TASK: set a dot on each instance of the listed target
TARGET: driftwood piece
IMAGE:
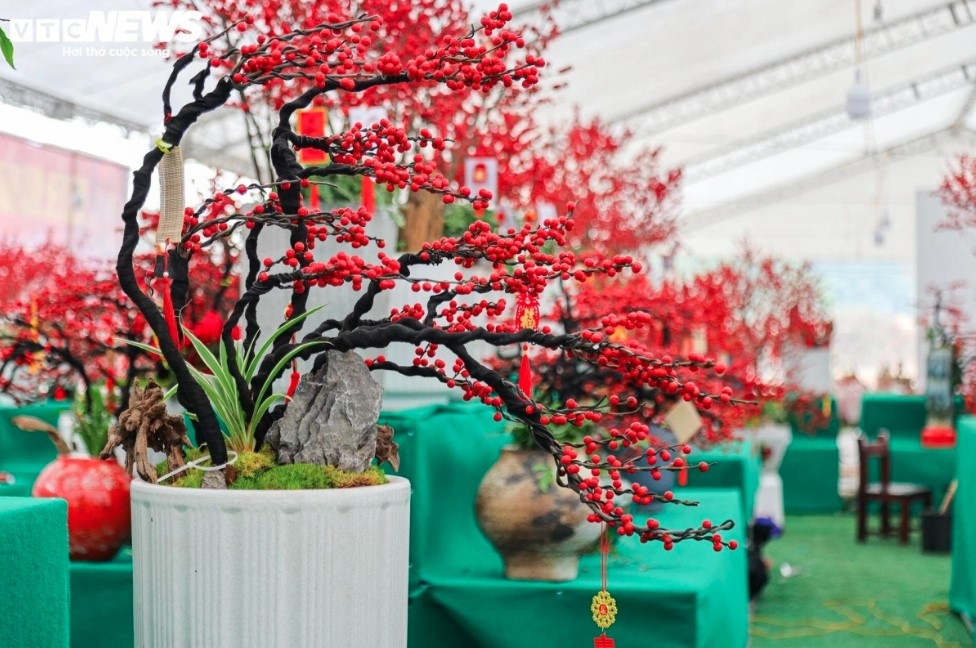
(386, 447)
(147, 425)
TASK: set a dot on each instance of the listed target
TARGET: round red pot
(97, 492)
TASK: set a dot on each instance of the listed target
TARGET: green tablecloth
(811, 472)
(962, 591)
(902, 415)
(34, 572)
(811, 469)
(689, 597)
(101, 603)
(734, 465)
(24, 454)
(904, 418)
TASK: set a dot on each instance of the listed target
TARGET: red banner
(66, 197)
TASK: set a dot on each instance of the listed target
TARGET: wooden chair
(885, 492)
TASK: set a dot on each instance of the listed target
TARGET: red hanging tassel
(295, 377)
(369, 195)
(527, 317)
(293, 383)
(603, 641)
(683, 477)
(168, 311)
(313, 197)
(525, 372)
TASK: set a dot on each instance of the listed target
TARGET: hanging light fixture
(858, 97)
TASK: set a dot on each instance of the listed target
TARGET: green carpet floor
(879, 594)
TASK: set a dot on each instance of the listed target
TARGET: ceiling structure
(747, 95)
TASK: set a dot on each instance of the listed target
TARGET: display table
(904, 418)
(101, 603)
(692, 595)
(458, 596)
(24, 454)
(962, 591)
(811, 469)
(34, 572)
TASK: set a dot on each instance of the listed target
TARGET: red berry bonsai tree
(496, 274)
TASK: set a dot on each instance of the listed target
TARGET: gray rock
(214, 479)
(331, 420)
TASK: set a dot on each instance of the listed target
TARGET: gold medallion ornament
(604, 610)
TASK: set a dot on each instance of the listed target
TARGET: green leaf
(7, 48)
(277, 368)
(145, 347)
(284, 328)
(262, 408)
(206, 355)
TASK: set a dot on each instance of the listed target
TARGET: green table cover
(904, 418)
(689, 597)
(735, 465)
(811, 468)
(962, 590)
(902, 415)
(34, 572)
(101, 603)
(810, 473)
(24, 454)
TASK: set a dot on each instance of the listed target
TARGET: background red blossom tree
(67, 329)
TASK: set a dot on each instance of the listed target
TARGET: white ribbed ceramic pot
(269, 569)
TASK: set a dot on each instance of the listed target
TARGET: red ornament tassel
(603, 641)
(293, 384)
(683, 477)
(169, 313)
(313, 198)
(525, 372)
(368, 195)
(295, 377)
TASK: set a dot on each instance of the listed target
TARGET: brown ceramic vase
(540, 535)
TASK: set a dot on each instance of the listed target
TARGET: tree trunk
(423, 219)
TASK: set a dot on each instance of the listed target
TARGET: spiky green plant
(218, 382)
(92, 420)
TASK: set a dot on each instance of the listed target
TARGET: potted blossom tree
(341, 554)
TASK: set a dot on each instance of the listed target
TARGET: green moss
(258, 471)
(342, 479)
(288, 477)
(249, 464)
(307, 476)
(190, 479)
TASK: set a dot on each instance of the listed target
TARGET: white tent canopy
(747, 95)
